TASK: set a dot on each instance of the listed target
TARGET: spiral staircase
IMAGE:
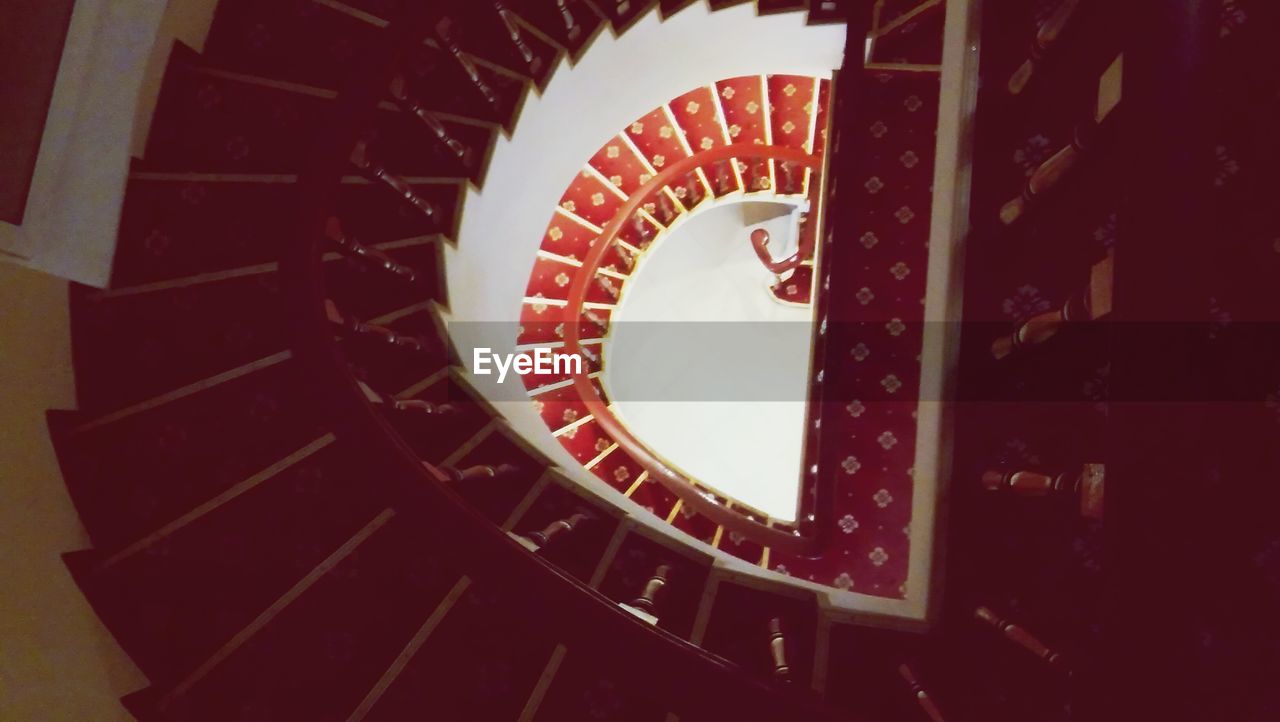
(302, 510)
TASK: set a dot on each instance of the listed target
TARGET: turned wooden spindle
(647, 602)
(425, 408)
(778, 651)
(361, 159)
(349, 246)
(400, 92)
(918, 691)
(444, 32)
(626, 254)
(1090, 304)
(788, 177)
(1029, 483)
(478, 472)
(354, 326)
(1086, 485)
(724, 184)
(1019, 636)
(570, 25)
(517, 37)
(691, 189)
(1045, 39)
(417, 406)
(642, 228)
(555, 530)
(595, 318)
(1059, 164)
(666, 209)
(608, 285)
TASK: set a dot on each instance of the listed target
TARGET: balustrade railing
(691, 493)
(695, 681)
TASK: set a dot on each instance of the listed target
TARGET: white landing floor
(706, 368)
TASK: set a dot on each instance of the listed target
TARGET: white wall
(77, 190)
(617, 80)
(57, 662)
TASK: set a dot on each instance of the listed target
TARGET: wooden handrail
(699, 500)
(760, 244)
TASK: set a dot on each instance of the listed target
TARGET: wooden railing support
(1086, 485)
(1090, 304)
(1019, 636)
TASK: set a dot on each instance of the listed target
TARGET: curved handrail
(760, 244)
(793, 543)
(582, 617)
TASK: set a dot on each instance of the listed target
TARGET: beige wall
(57, 663)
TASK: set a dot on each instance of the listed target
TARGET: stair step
(177, 229)
(738, 626)
(584, 688)
(323, 651)
(638, 557)
(174, 597)
(498, 498)
(211, 120)
(299, 40)
(572, 26)
(480, 663)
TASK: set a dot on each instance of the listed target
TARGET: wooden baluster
(360, 158)
(517, 37)
(607, 284)
(1090, 304)
(627, 255)
(416, 406)
(595, 318)
(691, 189)
(444, 31)
(723, 183)
(645, 606)
(666, 211)
(400, 92)
(788, 177)
(1028, 483)
(349, 246)
(778, 651)
(570, 25)
(1045, 39)
(1092, 481)
(642, 228)
(479, 472)
(537, 540)
(353, 325)
(1086, 485)
(1052, 171)
(1019, 636)
(425, 408)
(918, 691)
